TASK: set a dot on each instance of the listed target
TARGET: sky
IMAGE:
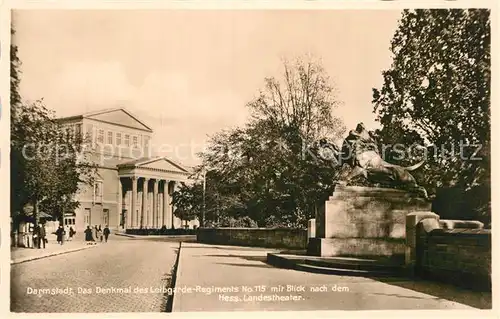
(189, 74)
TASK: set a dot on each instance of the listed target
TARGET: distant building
(132, 188)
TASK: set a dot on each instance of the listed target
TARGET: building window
(105, 217)
(90, 133)
(100, 137)
(135, 143)
(118, 139)
(127, 140)
(110, 138)
(98, 192)
(68, 129)
(86, 216)
(69, 221)
(78, 129)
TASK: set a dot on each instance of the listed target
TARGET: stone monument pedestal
(364, 221)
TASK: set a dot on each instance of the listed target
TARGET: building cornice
(119, 124)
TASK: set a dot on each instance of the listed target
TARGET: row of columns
(154, 212)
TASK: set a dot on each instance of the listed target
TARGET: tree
(72, 169)
(187, 200)
(300, 104)
(16, 163)
(437, 92)
(48, 163)
(264, 169)
(53, 160)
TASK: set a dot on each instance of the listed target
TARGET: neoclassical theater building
(133, 189)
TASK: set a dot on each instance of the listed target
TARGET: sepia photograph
(173, 160)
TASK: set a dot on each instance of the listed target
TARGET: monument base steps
(344, 266)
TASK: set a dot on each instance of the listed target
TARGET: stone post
(412, 220)
(311, 229)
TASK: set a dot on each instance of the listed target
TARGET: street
(132, 275)
(95, 280)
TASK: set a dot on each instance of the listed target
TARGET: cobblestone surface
(120, 263)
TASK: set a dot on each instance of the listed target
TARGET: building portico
(146, 187)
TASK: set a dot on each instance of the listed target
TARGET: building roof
(95, 114)
(144, 161)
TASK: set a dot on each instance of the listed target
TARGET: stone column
(156, 220)
(167, 221)
(145, 213)
(170, 205)
(133, 212)
(120, 202)
(128, 217)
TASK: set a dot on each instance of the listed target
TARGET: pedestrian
(99, 233)
(106, 233)
(71, 233)
(36, 235)
(96, 233)
(42, 233)
(60, 234)
(66, 233)
(89, 239)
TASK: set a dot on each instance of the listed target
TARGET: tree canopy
(437, 93)
(264, 170)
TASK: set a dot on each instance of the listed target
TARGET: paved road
(121, 263)
(225, 278)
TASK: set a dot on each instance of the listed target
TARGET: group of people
(64, 234)
(40, 235)
(95, 234)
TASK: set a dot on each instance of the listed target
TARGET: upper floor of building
(115, 133)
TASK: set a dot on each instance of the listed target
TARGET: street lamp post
(204, 204)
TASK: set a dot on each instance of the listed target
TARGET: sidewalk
(52, 248)
(222, 273)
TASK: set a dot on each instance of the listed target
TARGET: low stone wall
(255, 237)
(164, 231)
(461, 256)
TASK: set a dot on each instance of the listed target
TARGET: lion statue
(360, 153)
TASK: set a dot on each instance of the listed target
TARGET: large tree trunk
(35, 212)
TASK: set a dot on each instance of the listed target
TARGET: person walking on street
(60, 234)
(71, 233)
(96, 233)
(42, 236)
(66, 233)
(36, 236)
(99, 233)
(106, 233)
(89, 239)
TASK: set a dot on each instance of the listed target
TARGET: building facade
(132, 188)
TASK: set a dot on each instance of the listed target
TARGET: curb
(175, 276)
(125, 235)
(26, 259)
(157, 236)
